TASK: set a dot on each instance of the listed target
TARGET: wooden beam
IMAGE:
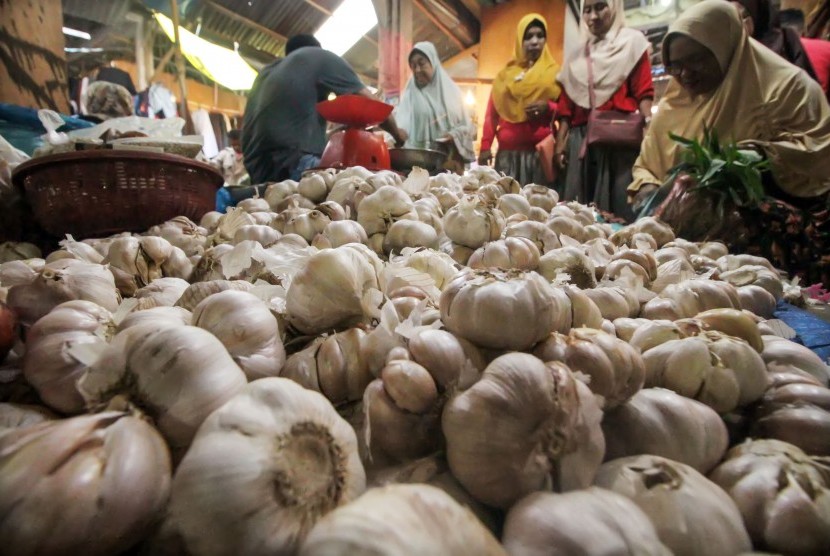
(473, 80)
(438, 23)
(473, 6)
(324, 10)
(242, 19)
(162, 64)
(471, 52)
(180, 63)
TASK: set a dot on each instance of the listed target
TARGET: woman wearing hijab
(616, 58)
(762, 22)
(522, 105)
(748, 95)
(432, 109)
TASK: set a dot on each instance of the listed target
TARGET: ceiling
(259, 27)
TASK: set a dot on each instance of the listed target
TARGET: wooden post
(174, 6)
(395, 42)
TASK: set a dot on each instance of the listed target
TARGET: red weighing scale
(355, 145)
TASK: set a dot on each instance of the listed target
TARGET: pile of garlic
(362, 362)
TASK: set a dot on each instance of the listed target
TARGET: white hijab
(435, 110)
(613, 57)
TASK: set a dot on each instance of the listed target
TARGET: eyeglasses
(690, 65)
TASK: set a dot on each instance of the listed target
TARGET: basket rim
(34, 164)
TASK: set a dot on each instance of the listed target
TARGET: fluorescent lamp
(75, 33)
(82, 50)
(350, 21)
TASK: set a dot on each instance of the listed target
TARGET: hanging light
(469, 98)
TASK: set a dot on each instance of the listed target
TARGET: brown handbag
(610, 128)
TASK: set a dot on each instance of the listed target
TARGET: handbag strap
(591, 98)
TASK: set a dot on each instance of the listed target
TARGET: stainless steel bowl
(403, 160)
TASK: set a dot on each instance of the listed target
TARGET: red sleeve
(640, 83)
(491, 122)
(565, 106)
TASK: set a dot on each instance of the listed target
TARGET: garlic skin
(440, 266)
(366, 526)
(182, 233)
(540, 196)
(263, 469)
(253, 205)
(567, 226)
(60, 281)
(513, 203)
(571, 261)
(409, 233)
(264, 235)
(307, 225)
(782, 352)
(478, 305)
(584, 311)
(383, 207)
(87, 485)
(757, 300)
(175, 316)
(48, 365)
(313, 187)
(524, 426)
(656, 228)
(614, 302)
(581, 523)
(513, 252)
(452, 362)
(161, 292)
(616, 369)
(17, 416)
(13, 273)
(692, 515)
(782, 494)
(18, 251)
(755, 275)
(178, 375)
(543, 237)
(247, 329)
(210, 220)
(198, 291)
(136, 262)
(340, 232)
(472, 222)
(659, 422)
(329, 291)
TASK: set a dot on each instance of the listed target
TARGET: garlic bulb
(659, 422)
(329, 292)
(490, 193)
(782, 352)
(307, 225)
(349, 193)
(210, 220)
(86, 485)
(60, 281)
(513, 252)
(571, 261)
(460, 254)
(644, 260)
(584, 312)
(161, 292)
(264, 235)
(544, 238)
(803, 422)
(524, 426)
(713, 249)
(757, 300)
(182, 233)
(254, 204)
(582, 523)
(731, 322)
(247, 329)
(276, 192)
(18, 251)
(614, 302)
(366, 526)
(198, 291)
(409, 233)
(313, 187)
(334, 211)
(209, 267)
(513, 203)
(651, 333)
(14, 273)
(71, 249)
(451, 361)
(263, 469)
(625, 328)
(659, 230)
(755, 275)
(333, 366)
(49, 366)
(789, 512)
(472, 222)
(540, 196)
(285, 215)
(478, 305)
(440, 266)
(378, 211)
(175, 316)
(136, 262)
(340, 232)
(615, 369)
(17, 416)
(178, 375)
(566, 226)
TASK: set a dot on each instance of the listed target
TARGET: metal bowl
(403, 160)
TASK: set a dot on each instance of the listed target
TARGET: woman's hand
(485, 157)
(560, 159)
(643, 195)
(401, 137)
(536, 109)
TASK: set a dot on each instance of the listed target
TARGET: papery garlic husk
(209, 267)
(472, 222)
(581, 523)
(72, 249)
(613, 302)
(18, 416)
(332, 366)
(615, 369)
(459, 253)
(513, 252)
(331, 290)
(618, 267)
(595, 231)
(713, 249)
(366, 526)
(490, 193)
(780, 351)
(254, 204)
(672, 272)
(757, 300)
(86, 485)
(651, 333)
(692, 515)
(262, 218)
(501, 310)
(334, 211)
(538, 215)
(245, 326)
(161, 292)
(14, 273)
(198, 291)
(409, 233)
(446, 197)
(644, 259)
(757, 276)
(524, 426)
(544, 238)
(177, 375)
(659, 422)
(176, 316)
(782, 494)
(571, 261)
(183, 233)
(625, 328)
(659, 230)
(565, 226)
(668, 254)
(263, 470)
(340, 232)
(513, 203)
(348, 192)
(540, 196)
(276, 192)
(689, 247)
(60, 281)
(264, 235)
(643, 241)
(378, 211)
(18, 251)
(142, 260)
(584, 312)
(440, 266)
(703, 264)
(279, 222)
(307, 225)
(733, 262)
(49, 365)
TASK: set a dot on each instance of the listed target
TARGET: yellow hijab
(515, 87)
(763, 101)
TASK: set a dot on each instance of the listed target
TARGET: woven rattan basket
(97, 193)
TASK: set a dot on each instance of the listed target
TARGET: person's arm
(488, 133)
(565, 108)
(389, 125)
(641, 86)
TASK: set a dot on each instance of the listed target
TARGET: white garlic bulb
(136, 262)
(571, 261)
(388, 204)
(513, 252)
(472, 222)
(340, 232)
(540, 196)
(16, 416)
(307, 225)
(161, 292)
(198, 291)
(409, 233)
(513, 203)
(264, 235)
(263, 470)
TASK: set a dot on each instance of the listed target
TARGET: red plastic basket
(102, 192)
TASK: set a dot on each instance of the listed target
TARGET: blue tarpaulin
(21, 127)
(811, 331)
